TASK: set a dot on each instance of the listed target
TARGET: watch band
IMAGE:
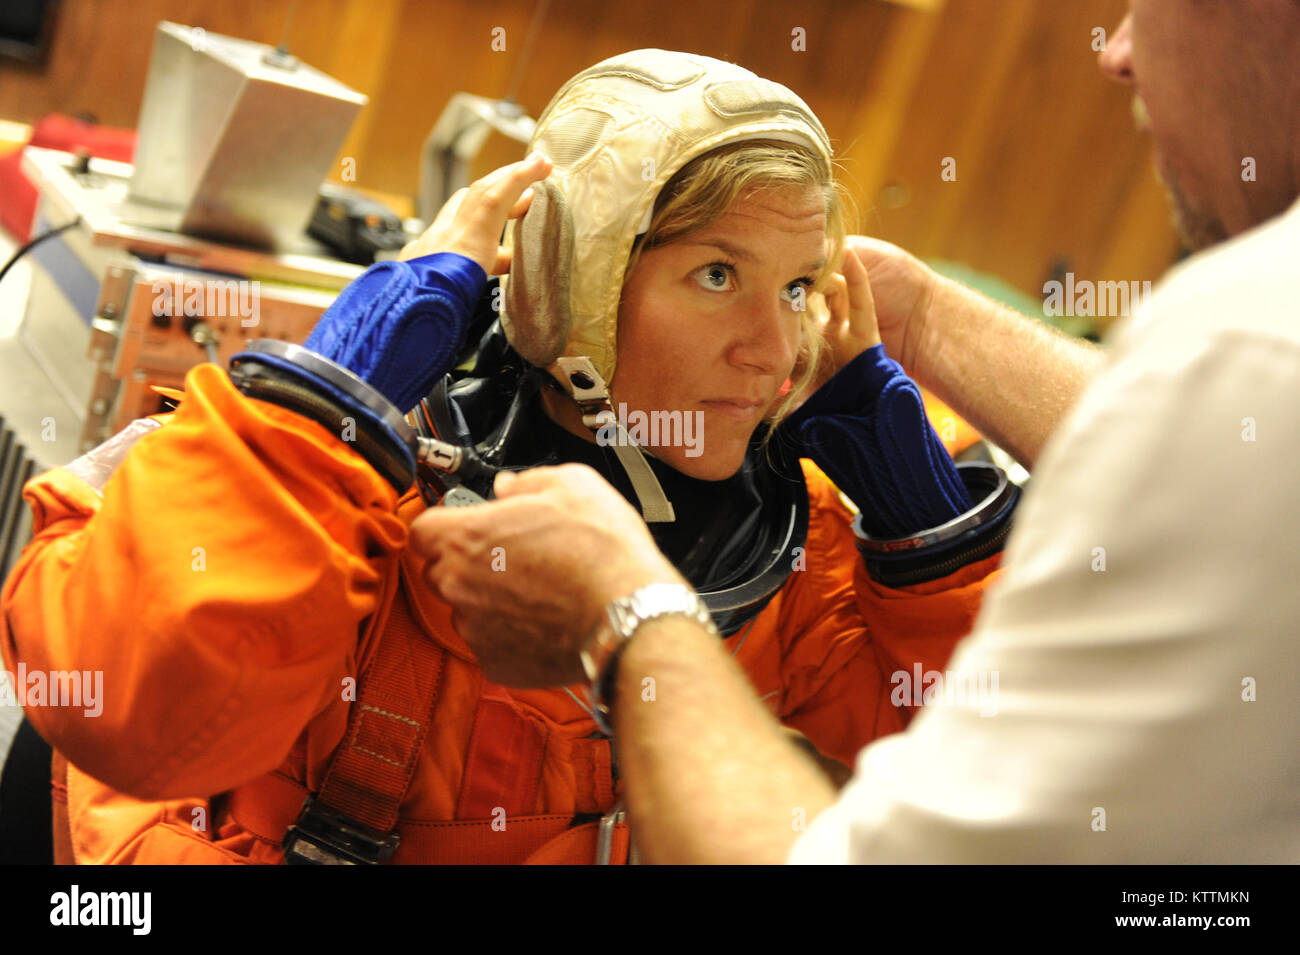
(620, 622)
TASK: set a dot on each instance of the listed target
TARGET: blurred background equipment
(112, 307)
(137, 272)
(457, 138)
(235, 139)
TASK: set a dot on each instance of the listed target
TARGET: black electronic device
(355, 226)
(27, 29)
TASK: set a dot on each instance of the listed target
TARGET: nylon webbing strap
(373, 767)
(591, 394)
(655, 507)
(266, 806)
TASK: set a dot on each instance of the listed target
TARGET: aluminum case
(235, 139)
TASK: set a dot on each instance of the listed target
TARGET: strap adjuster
(322, 836)
(605, 834)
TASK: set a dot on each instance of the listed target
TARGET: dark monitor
(26, 27)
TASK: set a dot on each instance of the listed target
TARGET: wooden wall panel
(1049, 167)
(1044, 148)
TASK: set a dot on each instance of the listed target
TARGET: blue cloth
(400, 325)
(867, 429)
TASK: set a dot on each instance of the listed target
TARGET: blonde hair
(707, 187)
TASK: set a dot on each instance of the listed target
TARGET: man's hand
(528, 575)
(470, 223)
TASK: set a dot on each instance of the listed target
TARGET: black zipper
(945, 567)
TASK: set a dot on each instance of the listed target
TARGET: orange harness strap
(579, 845)
(538, 840)
(63, 853)
(266, 806)
(371, 771)
(354, 815)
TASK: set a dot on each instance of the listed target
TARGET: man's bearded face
(1197, 224)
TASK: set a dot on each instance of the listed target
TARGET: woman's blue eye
(715, 277)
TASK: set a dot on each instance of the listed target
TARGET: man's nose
(1116, 59)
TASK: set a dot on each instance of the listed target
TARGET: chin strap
(588, 390)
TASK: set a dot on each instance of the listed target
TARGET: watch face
(624, 616)
(663, 598)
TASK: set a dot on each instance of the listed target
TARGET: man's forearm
(710, 776)
(1013, 378)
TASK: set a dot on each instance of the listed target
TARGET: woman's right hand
(400, 325)
(470, 223)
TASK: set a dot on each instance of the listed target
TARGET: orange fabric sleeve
(217, 586)
(848, 635)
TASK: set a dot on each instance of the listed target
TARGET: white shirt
(1148, 711)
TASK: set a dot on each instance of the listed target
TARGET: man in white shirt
(1142, 645)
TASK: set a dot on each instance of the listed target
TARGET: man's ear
(536, 314)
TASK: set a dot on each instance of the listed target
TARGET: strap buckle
(322, 836)
(588, 390)
(605, 834)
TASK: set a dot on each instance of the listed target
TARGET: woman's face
(709, 328)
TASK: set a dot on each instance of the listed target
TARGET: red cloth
(18, 206)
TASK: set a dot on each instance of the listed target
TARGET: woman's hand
(846, 317)
(400, 325)
(863, 421)
(850, 327)
(903, 289)
(470, 223)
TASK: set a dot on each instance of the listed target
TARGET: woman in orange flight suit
(277, 678)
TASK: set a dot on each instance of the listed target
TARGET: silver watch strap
(623, 617)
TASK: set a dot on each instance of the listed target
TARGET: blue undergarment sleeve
(400, 325)
(867, 429)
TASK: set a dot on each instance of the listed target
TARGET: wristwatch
(621, 620)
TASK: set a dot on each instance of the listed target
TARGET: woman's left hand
(850, 326)
(864, 422)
